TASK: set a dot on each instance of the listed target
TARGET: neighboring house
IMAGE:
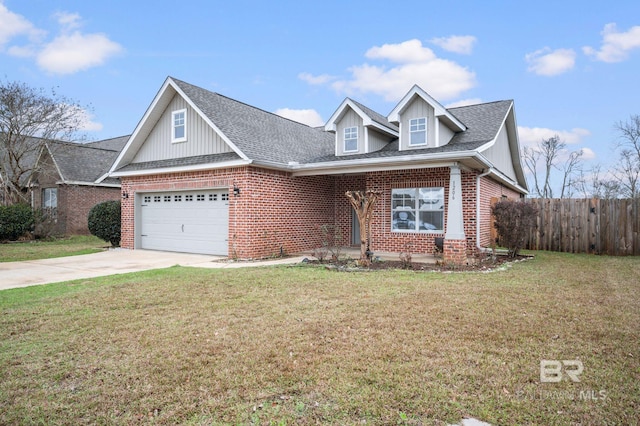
(70, 178)
(204, 173)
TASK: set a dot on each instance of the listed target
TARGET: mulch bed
(485, 264)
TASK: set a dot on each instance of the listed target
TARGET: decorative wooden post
(363, 203)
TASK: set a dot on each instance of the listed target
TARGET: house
(204, 173)
(70, 178)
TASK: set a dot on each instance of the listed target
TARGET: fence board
(586, 226)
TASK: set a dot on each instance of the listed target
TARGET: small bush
(44, 224)
(15, 221)
(104, 221)
(513, 219)
(332, 240)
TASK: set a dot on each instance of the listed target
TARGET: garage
(186, 221)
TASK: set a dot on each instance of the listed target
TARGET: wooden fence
(587, 226)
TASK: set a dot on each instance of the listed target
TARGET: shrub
(104, 221)
(332, 240)
(44, 224)
(15, 221)
(513, 219)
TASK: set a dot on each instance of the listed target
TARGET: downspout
(481, 175)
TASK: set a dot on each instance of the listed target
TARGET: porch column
(455, 242)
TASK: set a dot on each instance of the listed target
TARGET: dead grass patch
(309, 346)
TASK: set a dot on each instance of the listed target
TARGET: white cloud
(415, 64)
(549, 63)
(588, 154)
(529, 136)
(68, 54)
(86, 120)
(615, 45)
(14, 25)
(456, 44)
(315, 79)
(464, 102)
(68, 21)
(310, 117)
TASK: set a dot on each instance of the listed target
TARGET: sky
(571, 67)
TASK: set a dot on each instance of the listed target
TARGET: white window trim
(173, 126)
(416, 212)
(344, 139)
(412, 131)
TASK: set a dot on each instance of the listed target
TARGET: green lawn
(31, 250)
(305, 345)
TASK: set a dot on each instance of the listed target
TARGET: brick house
(70, 178)
(204, 173)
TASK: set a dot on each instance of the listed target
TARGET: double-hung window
(50, 202)
(418, 131)
(179, 126)
(417, 209)
(350, 139)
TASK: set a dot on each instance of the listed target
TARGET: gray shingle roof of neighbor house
(88, 162)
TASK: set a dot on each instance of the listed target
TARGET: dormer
(359, 130)
(423, 122)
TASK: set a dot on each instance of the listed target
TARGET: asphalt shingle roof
(267, 137)
(84, 162)
(260, 135)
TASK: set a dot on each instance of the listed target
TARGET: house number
(453, 190)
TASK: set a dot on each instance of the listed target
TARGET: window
(179, 126)
(177, 198)
(213, 197)
(156, 198)
(167, 198)
(350, 139)
(225, 196)
(200, 197)
(417, 209)
(147, 198)
(418, 131)
(50, 202)
(188, 197)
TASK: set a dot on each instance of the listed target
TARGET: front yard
(304, 345)
(32, 250)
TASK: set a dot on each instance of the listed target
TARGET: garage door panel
(186, 221)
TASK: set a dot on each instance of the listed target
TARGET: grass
(32, 250)
(304, 345)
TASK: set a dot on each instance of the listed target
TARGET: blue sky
(572, 68)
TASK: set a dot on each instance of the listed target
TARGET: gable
(349, 119)
(201, 138)
(418, 108)
(501, 156)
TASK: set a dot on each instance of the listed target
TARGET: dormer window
(418, 131)
(351, 139)
(179, 126)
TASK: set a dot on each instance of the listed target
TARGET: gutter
(179, 169)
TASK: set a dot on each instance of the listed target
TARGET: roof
(263, 138)
(86, 163)
(260, 135)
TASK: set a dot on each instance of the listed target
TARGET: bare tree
(593, 185)
(627, 170)
(546, 156)
(28, 119)
(363, 203)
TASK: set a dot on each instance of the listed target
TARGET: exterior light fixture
(236, 190)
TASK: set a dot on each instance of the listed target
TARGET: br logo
(552, 371)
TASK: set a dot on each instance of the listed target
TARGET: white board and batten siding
(500, 154)
(184, 221)
(349, 119)
(418, 108)
(202, 139)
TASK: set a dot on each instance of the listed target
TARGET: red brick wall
(383, 239)
(274, 210)
(74, 203)
(489, 188)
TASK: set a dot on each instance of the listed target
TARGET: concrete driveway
(117, 261)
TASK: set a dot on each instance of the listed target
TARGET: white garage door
(186, 221)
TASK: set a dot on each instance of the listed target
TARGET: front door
(355, 228)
